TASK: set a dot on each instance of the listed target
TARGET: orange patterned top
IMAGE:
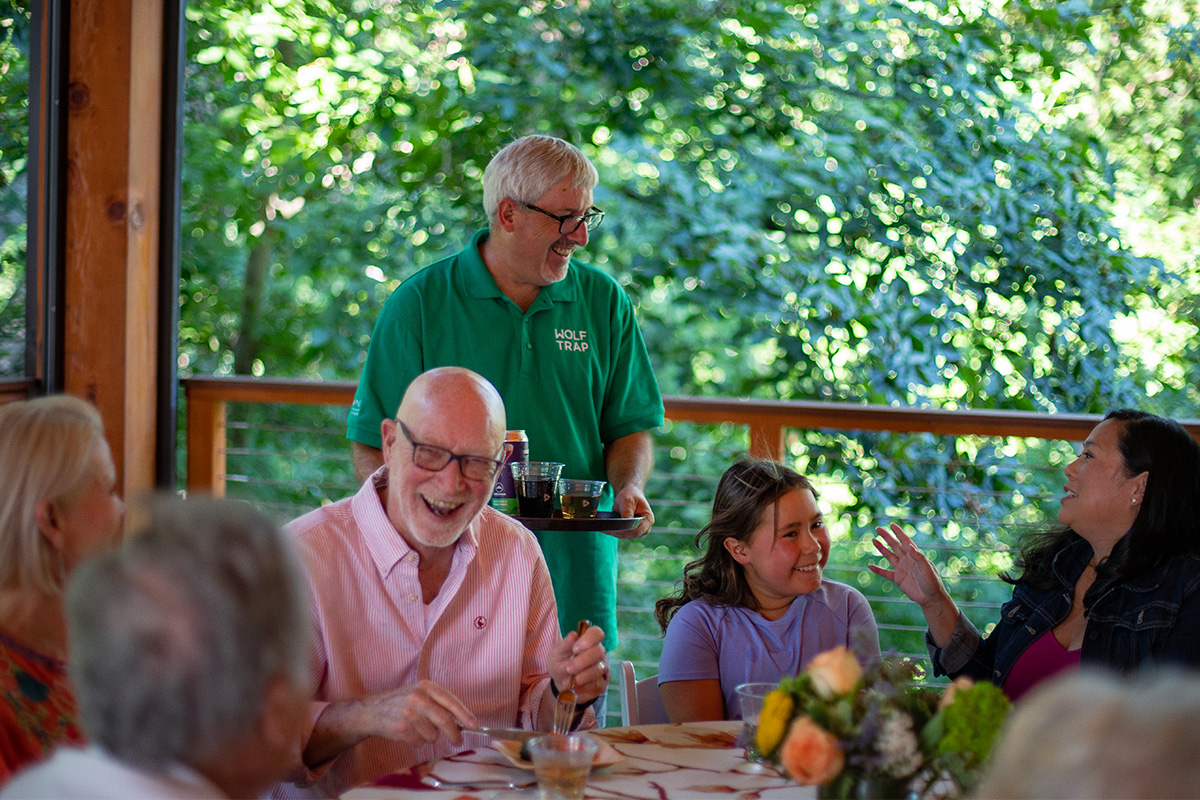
(38, 708)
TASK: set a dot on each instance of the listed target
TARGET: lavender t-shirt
(737, 645)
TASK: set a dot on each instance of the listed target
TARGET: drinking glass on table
(562, 764)
(751, 696)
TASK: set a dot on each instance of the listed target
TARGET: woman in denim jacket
(1117, 587)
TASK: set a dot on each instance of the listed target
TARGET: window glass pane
(14, 148)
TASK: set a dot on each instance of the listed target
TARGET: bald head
(454, 389)
(450, 423)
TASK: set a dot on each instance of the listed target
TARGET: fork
(564, 711)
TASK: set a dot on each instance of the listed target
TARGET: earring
(1133, 501)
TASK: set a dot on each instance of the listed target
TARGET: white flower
(899, 749)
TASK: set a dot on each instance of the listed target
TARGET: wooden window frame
(106, 89)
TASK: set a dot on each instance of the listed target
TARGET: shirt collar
(385, 543)
(478, 282)
(1068, 563)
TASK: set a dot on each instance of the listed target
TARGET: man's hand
(583, 658)
(631, 502)
(628, 462)
(419, 714)
(416, 715)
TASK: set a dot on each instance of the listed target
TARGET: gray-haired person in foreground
(190, 654)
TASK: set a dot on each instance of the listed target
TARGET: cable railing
(966, 483)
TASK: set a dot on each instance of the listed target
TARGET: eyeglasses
(435, 459)
(569, 223)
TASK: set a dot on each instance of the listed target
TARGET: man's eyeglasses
(435, 459)
(569, 223)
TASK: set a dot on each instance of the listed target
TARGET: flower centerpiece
(873, 733)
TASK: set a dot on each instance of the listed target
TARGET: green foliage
(850, 201)
(962, 733)
(872, 201)
(14, 151)
(1134, 85)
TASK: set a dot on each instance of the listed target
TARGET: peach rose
(834, 673)
(810, 754)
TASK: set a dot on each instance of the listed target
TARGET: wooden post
(205, 442)
(113, 146)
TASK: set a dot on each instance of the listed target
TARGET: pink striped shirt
(486, 636)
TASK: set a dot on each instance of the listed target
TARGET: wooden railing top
(245, 389)
(786, 413)
(862, 417)
(13, 389)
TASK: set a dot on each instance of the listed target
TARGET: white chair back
(641, 703)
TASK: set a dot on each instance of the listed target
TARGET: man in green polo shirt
(558, 339)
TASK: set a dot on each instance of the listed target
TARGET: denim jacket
(1152, 618)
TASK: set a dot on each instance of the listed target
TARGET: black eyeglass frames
(569, 223)
(435, 459)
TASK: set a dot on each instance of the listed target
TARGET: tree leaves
(858, 186)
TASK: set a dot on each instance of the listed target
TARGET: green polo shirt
(573, 371)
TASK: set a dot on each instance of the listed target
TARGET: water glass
(750, 696)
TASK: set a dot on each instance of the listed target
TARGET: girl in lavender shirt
(755, 607)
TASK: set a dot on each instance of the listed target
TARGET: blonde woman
(58, 505)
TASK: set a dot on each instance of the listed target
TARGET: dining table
(656, 762)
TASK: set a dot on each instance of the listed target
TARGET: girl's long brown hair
(745, 490)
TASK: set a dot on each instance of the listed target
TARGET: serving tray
(603, 521)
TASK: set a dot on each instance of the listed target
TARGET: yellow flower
(834, 673)
(773, 722)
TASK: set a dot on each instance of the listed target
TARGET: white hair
(1094, 734)
(528, 167)
(176, 636)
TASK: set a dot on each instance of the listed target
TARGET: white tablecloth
(660, 762)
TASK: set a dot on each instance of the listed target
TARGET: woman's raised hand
(913, 573)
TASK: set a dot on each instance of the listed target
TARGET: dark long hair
(745, 490)
(1167, 524)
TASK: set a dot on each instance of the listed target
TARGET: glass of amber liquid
(579, 499)
(562, 764)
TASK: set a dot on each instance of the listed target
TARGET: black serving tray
(604, 521)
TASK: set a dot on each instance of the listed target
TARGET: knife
(517, 734)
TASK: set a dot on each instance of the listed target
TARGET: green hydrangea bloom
(971, 723)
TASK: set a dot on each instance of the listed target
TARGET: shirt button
(410, 558)
(529, 346)
(412, 598)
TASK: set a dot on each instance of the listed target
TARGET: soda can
(504, 493)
